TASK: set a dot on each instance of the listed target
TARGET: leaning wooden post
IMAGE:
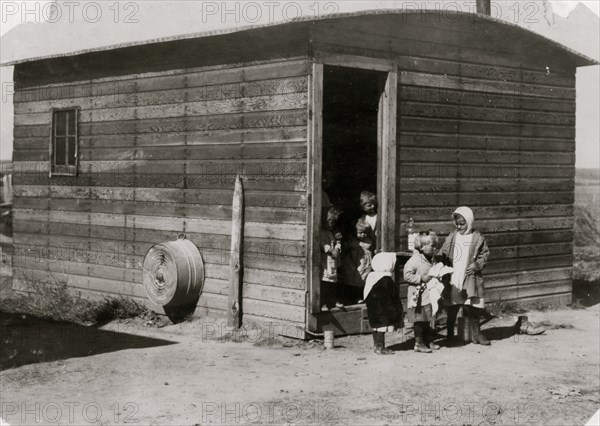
(235, 260)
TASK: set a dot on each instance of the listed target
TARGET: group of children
(345, 271)
(450, 276)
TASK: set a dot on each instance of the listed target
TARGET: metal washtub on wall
(173, 273)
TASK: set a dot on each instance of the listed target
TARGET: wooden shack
(119, 149)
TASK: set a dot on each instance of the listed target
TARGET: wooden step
(344, 321)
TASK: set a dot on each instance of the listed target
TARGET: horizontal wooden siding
(159, 153)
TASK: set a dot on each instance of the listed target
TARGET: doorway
(351, 110)
(352, 148)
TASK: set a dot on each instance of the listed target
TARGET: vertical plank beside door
(386, 168)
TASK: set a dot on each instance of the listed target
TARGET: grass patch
(54, 301)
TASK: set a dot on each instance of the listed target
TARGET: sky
(8, 21)
(587, 155)
(563, 8)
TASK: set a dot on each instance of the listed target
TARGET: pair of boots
(477, 336)
(379, 342)
(424, 338)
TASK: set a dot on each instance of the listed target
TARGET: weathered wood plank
(116, 181)
(314, 183)
(125, 254)
(487, 86)
(285, 118)
(280, 200)
(435, 125)
(529, 291)
(447, 184)
(274, 310)
(456, 68)
(527, 277)
(167, 80)
(272, 103)
(136, 98)
(387, 163)
(486, 113)
(482, 170)
(527, 264)
(279, 150)
(292, 232)
(234, 301)
(217, 243)
(275, 135)
(75, 268)
(489, 212)
(439, 155)
(449, 96)
(263, 277)
(460, 141)
(35, 277)
(258, 292)
(489, 198)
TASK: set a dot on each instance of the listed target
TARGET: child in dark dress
(382, 296)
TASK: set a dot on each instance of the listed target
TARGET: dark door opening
(351, 100)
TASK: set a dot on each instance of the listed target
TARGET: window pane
(61, 123)
(71, 146)
(60, 151)
(71, 123)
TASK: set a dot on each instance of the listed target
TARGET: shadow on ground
(29, 340)
(586, 293)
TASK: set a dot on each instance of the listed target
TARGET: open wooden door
(350, 320)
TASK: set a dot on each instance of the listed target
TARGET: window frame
(66, 169)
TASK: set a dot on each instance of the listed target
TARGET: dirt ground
(187, 374)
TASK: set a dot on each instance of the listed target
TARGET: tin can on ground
(328, 339)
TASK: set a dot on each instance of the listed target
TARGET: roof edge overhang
(578, 58)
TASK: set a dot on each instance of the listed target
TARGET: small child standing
(382, 296)
(416, 274)
(368, 204)
(331, 249)
(357, 261)
(466, 251)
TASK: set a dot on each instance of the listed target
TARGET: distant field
(587, 188)
(587, 225)
(587, 207)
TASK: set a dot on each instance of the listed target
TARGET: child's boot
(419, 343)
(478, 337)
(429, 335)
(380, 348)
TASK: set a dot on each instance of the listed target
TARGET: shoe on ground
(480, 339)
(382, 350)
(339, 305)
(434, 346)
(419, 347)
(324, 308)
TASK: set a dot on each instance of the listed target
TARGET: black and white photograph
(300, 212)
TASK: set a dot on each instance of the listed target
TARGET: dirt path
(213, 382)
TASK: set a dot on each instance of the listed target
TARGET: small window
(64, 144)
